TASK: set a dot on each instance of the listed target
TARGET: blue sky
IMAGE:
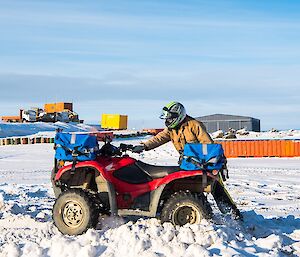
(132, 57)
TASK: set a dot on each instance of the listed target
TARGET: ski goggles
(167, 114)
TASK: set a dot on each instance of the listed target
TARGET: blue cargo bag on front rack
(202, 156)
(79, 147)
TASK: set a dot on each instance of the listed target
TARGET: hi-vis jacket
(190, 131)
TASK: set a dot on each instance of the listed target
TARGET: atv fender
(103, 185)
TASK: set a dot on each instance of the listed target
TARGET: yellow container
(114, 121)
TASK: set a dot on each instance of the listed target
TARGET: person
(182, 129)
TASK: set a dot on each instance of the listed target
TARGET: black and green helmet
(174, 113)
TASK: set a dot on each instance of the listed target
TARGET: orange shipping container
(11, 118)
(260, 148)
(57, 107)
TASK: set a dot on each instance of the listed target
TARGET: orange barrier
(260, 148)
(103, 135)
(153, 131)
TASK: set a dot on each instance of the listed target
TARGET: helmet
(174, 113)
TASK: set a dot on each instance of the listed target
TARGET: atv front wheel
(185, 208)
(74, 213)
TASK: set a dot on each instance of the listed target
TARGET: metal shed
(223, 122)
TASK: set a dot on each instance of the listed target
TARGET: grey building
(223, 122)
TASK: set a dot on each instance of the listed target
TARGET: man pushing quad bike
(89, 182)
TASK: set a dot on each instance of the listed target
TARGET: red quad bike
(117, 184)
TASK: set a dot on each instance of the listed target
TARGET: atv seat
(157, 171)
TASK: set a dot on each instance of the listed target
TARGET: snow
(266, 190)
(40, 128)
(266, 135)
(243, 134)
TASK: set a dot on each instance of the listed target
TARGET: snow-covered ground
(243, 134)
(266, 190)
(40, 128)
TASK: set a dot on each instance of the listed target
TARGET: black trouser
(224, 201)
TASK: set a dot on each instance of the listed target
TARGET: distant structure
(223, 122)
(114, 121)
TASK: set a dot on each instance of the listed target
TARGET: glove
(138, 148)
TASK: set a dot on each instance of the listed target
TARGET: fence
(25, 140)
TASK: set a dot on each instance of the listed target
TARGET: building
(224, 122)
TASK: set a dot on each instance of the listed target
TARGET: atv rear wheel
(74, 213)
(185, 208)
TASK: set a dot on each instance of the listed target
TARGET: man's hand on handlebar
(138, 148)
(125, 147)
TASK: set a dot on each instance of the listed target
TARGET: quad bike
(117, 184)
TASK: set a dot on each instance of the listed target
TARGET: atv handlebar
(125, 147)
(111, 150)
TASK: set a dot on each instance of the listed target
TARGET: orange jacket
(190, 131)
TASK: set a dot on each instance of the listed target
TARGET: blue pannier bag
(202, 156)
(75, 147)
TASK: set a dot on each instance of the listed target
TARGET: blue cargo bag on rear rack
(75, 147)
(202, 156)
